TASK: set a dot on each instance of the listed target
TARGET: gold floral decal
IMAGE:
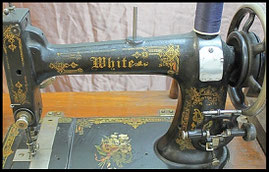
(208, 95)
(208, 125)
(114, 151)
(19, 95)
(7, 148)
(134, 122)
(169, 57)
(197, 118)
(186, 143)
(61, 67)
(144, 54)
(10, 37)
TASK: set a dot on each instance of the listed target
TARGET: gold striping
(7, 148)
(134, 122)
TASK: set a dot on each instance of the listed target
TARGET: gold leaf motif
(145, 54)
(169, 57)
(194, 97)
(136, 55)
(62, 67)
(114, 151)
(208, 125)
(19, 95)
(59, 66)
(197, 118)
(184, 144)
(64, 120)
(134, 122)
(10, 138)
(73, 65)
(10, 37)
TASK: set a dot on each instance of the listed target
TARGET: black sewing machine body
(29, 60)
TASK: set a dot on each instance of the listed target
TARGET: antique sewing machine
(204, 66)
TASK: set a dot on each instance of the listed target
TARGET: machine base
(93, 143)
(223, 156)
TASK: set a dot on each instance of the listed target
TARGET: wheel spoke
(237, 97)
(258, 48)
(249, 22)
(254, 84)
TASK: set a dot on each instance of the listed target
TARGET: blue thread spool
(208, 18)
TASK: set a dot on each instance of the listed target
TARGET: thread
(208, 18)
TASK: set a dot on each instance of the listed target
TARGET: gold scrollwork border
(169, 57)
(134, 122)
(196, 97)
(19, 95)
(7, 148)
(61, 67)
(11, 36)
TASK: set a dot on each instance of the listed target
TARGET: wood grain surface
(244, 155)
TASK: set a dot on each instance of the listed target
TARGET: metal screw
(6, 11)
(21, 154)
(215, 162)
(211, 50)
(15, 30)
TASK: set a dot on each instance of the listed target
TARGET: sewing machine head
(205, 67)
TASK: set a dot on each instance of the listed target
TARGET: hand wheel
(250, 59)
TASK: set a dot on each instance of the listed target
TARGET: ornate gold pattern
(197, 118)
(208, 125)
(144, 54)
(7, 148)
(208, 95)
(61, 68)
(169, 57)
(186, 143)
(114, 151)
(19, 95)
(10, 37)
(134, 122)
(64, 120)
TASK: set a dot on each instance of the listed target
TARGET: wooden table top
(244, 155)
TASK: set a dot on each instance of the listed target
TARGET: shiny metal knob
(184, 135)
(23, 119)
(22, 123)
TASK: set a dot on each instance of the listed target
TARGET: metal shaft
(134, 23)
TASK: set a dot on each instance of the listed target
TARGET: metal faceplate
(211, 62)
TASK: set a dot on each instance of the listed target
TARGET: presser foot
(32, 145)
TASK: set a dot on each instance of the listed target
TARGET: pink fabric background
(65, 23)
